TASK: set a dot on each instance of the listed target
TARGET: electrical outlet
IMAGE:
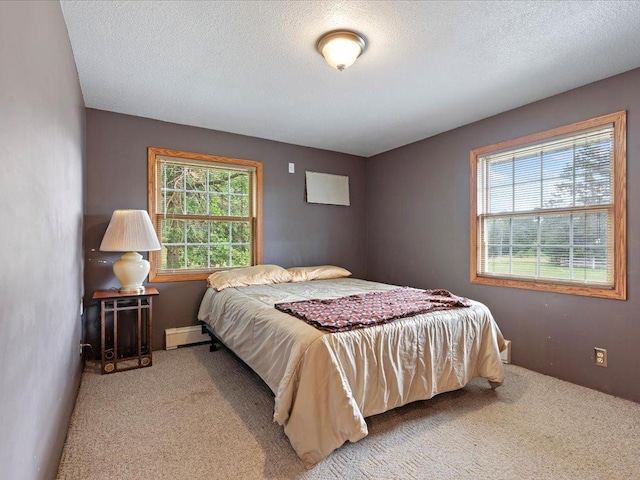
(600, 356)
(82, 345)
(292, 168)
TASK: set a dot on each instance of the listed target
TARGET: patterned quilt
(369, 309)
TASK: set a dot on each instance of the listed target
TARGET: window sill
(615, 293)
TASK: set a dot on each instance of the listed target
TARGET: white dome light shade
(340, 49)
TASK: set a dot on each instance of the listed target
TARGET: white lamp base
(131, 270)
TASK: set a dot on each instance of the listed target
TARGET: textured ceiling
(251, 67)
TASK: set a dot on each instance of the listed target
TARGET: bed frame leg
(214, 340)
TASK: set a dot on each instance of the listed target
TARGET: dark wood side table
(125, 326)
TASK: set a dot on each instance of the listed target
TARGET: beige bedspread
(325, 384)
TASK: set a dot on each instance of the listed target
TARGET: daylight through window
(549, 210)
(206, 211)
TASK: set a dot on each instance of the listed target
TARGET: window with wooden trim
(207, 212)
(548, 211)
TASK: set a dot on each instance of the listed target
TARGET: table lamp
(130, 231)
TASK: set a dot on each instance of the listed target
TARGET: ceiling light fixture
(341, 48)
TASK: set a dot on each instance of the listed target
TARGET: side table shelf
(125, 329)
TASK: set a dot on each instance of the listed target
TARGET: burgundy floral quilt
(368, 309)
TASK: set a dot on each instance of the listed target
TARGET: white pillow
(242, 277)
(320, 272)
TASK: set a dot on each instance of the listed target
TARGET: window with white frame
(548, 210)
(207, 213)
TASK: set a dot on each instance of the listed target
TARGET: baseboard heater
(182, 336)
(506, 355)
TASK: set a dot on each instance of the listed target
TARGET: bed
(326, 384)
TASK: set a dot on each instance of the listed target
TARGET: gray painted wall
(41, 153)
(418, 234)
(295, 233)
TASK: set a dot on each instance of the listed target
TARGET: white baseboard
(177, 337)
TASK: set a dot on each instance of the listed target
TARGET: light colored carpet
(202, 415)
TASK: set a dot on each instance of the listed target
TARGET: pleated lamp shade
(130, 231)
